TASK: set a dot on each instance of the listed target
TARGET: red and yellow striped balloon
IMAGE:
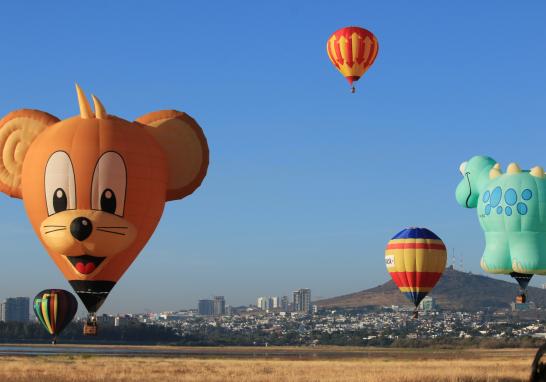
(352, 50)
(415, 259)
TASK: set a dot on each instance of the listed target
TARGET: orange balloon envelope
(352, 50)
(94, 185)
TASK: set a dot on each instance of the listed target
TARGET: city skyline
(307, 182)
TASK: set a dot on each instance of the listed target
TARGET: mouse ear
(18, 130)
(185, 146)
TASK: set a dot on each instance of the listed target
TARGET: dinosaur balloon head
(474, 172)
(94, 185)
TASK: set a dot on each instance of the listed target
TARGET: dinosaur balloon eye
(60, 187)
(108, 201)
(109, 184)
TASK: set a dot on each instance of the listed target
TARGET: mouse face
(77, 181)
(94, 186)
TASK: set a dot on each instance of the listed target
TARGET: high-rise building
(302, 300)
(261, 303)
(2, 311)
(285, 304)
(205, 307)
(219, 306)
(296, 301)
(266, 303)
(16, 309)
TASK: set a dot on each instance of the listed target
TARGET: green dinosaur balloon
(512, 212)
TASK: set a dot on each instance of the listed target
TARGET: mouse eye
(60, 187)
(60, 201)
(108, 201)
(109, 184)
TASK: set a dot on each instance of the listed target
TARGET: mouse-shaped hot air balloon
(352, 50)
(94, 185)
(415, 259)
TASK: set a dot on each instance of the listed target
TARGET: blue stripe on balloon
(416, 233)
(415, 297)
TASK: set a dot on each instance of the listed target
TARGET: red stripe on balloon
(415, 246)
(349, 51)
(415, 279)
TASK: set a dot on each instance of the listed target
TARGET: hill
(456, 290)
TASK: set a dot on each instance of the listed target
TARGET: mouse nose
(81, 228)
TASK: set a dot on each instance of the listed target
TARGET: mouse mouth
(85, 264)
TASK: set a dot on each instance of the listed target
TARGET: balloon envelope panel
(415, 259)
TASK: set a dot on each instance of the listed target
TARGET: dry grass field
(372, 365)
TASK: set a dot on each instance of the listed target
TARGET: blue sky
(307, 181)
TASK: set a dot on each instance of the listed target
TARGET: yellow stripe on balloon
(343, 49)
(329, 49)
(416, 260)
(356, 46)
(45, 302)
(55, 297)
(414, 289)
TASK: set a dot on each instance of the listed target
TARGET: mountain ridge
(455, 290)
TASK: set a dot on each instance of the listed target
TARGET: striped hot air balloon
(415, 259)
(352, 50)
(55, 308)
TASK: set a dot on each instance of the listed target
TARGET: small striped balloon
(415, 259)
(352, 50)
(55, 308)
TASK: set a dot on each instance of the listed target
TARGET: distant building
(15, 309)
(261, 302)
(229, 310)
(124, 320)
(265, 303)
(302, 300)
(2, 311)
(428, 304)
(219, 307)
(106, 320)
(285, 304)
(205, 307)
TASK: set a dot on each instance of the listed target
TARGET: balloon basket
(353, 90)
(415, 314)
(54, 341)
(90, 328)
(522, 298)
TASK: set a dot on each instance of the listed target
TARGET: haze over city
(305, 187)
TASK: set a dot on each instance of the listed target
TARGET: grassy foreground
(469, 365)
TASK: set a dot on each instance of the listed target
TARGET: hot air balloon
(94, 185)
(352, 50)
(55, 308)
(511, 211)
(415, 259)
